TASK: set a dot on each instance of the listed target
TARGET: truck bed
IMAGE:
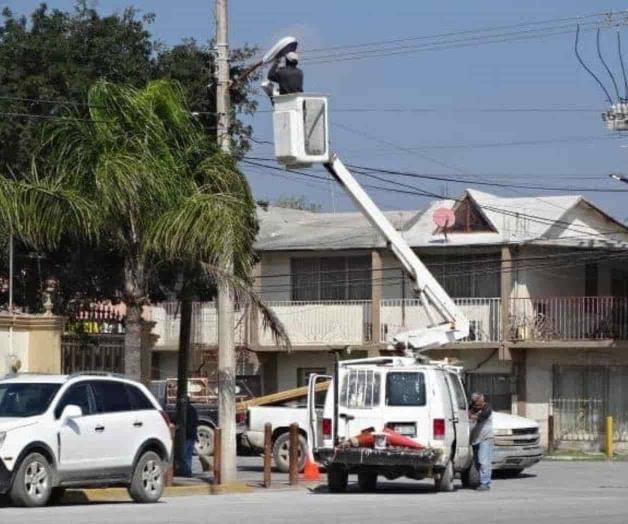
(389, 457)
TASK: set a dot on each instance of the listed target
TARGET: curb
(84, 496)
(576, 458)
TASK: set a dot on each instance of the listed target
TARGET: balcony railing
(484, 316)
(167, 318)
(569, 318)
(333, 323)
(325, 323)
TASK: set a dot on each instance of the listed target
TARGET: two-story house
(543, 281)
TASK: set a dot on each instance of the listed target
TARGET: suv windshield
(26, 400)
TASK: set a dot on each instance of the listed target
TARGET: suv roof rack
(96, 374)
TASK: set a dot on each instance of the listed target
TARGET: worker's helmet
(292, 57)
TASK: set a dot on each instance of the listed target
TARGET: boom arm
(452, 324)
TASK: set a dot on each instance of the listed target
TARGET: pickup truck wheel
(204, 446)
(337, 479)
(471, 477)
(445, 481)
(367, 480)
(281, 452)
(32, 484)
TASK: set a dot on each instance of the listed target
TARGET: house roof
(558, 220)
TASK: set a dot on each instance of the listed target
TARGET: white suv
(85, 430)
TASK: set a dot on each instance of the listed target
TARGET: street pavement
(551, 492)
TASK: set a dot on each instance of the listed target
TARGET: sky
(438, 112)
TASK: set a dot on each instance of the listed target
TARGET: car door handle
(138, 424)
(99, 429)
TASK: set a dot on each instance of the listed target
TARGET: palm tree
(162, 193)
(161, 190)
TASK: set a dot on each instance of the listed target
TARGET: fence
(578, 420)
(86, 352)
(569, 318)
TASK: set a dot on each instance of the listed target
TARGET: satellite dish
(444, 218)
(285, 45)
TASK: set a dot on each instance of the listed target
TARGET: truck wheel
(471, 477)
(281, 452)
(445, 481)
(204, 446)
(367, 480)
(337, 479)
(32, 484)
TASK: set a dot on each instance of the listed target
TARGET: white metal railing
(578, 419)
(568, 318)
(167, 318)
(484, 314)
(322, 323)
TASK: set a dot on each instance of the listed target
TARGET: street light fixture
(619, 178)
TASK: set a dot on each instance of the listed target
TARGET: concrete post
(376, 299)
(506, 289)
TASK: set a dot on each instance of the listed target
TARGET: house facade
(543, 281)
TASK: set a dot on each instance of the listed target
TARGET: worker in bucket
(481, 438)
(290, 77)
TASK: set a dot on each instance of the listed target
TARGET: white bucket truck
(408, 395)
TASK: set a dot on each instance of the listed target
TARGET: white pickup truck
(516, 438)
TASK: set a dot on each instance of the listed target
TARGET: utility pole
(226, 347)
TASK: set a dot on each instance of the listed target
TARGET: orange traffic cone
(310, 469)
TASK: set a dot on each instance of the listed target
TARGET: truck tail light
(326, 428)
(439, 428)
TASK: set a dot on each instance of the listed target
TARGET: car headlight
(503, 432)
(3, 435)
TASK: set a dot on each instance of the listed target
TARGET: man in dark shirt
(191, 427)
(290, 77)
(481, 438)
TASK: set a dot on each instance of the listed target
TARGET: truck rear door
(315, 407)
(460, 420)
(359, 401)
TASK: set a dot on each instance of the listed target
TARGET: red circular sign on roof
(444, 217)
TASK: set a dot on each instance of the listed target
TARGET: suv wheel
(147, 484)
(281, 452)
(32, 484)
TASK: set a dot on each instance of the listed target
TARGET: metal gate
(87, 352)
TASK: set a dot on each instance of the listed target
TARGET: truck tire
(367, 480)
(445, 481)
(32, 485)
(281, 452)
(204, 446)
(337, 479)
(147, 483)
(471, 477)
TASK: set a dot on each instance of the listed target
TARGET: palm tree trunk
(185, 330)
(133, 276)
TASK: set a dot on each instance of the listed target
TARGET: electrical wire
(623, 69)
(587, 68)
(608, 70)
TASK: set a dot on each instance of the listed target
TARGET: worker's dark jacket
(289, 78)
(191, 422)
(482, 427)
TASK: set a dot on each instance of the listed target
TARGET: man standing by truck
(481, 438)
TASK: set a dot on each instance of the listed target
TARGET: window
(360, 389)
(76, 395)
(331, 278)
(468, 275)
(405, 389)
(139, 401)
(469, 219)
(461, 400)
(25, 400)
(111, 397)
(303, 375)
(496, 387)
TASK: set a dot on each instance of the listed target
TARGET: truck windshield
(26, 400)
(405, 389)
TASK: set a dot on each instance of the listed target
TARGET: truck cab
(421, 400)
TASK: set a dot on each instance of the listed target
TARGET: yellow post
(609, 437)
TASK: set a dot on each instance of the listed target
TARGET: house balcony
(325, 324)
(568, 319)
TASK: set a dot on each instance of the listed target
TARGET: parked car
(84, 431)
(517, 443)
